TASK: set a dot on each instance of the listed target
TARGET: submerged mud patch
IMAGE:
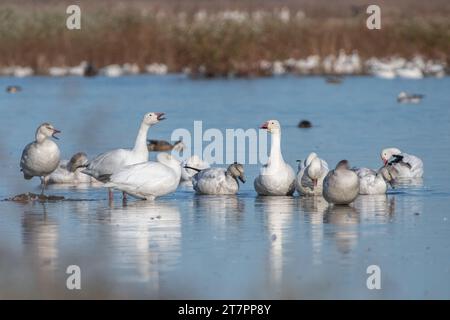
(33, 197)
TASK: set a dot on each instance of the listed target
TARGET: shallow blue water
(188, 246)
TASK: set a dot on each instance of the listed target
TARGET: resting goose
(69, 171)
(341, 185)
(373, 182)
(310, 177)
(105, 164)
(402, 165)
(41, 157)
(192, 162)
(218, 180)
(276, 178)
(148, 180)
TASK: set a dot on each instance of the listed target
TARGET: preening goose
(276, 178)
(148, 180)
(41, 157)
(341, 185)
(219, 180)
(310, 177)
(402, 165)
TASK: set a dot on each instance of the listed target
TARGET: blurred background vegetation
(219, 36)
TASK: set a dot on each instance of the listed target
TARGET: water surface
(188, 246)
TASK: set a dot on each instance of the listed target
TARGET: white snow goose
(310, 177)
(402, 165)
(148, 180)
(105, 164)
(276, 178)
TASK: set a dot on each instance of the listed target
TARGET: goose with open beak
(41, 157)
(108, 163)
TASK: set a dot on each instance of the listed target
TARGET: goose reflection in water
(147, 238)
(40, 235)
(345, 218)
(314, 209)
(278, 215)
(375, 208)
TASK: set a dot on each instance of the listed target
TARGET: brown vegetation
(179, 34)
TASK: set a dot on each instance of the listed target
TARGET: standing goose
(148, 180)
(373, 182)
(218, 180)
(310, 177)
(341, 185)
(276, 178)
(41, 157)
(70, 171)
(192, 162)
(105, 164)
(402, 165)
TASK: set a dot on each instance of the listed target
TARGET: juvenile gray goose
(41, 157)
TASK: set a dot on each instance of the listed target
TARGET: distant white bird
(373, 182)
(310, 176)
(105, 164)
(341, 185)
(41, 157)
(218, 180)
(384, 73)
(404, 97)
(148, 180)
(113, 70)
(410, 72)
(401, 165)
(70, 171)
(276, 178)
(58, 71)
(192, 162)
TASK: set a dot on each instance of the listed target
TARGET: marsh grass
(194, 34)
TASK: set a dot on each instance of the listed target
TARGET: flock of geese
(129, 170)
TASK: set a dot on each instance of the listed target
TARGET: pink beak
(264, 125)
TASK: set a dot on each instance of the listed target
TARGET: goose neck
(275, 150)
(140, 146)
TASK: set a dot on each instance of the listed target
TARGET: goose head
(152, 118)
(236, 170)
(46, 130)
(272, 126)
(343, 165)
(388, 153)
(310, 158)
(78, 160)
(314, 170)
